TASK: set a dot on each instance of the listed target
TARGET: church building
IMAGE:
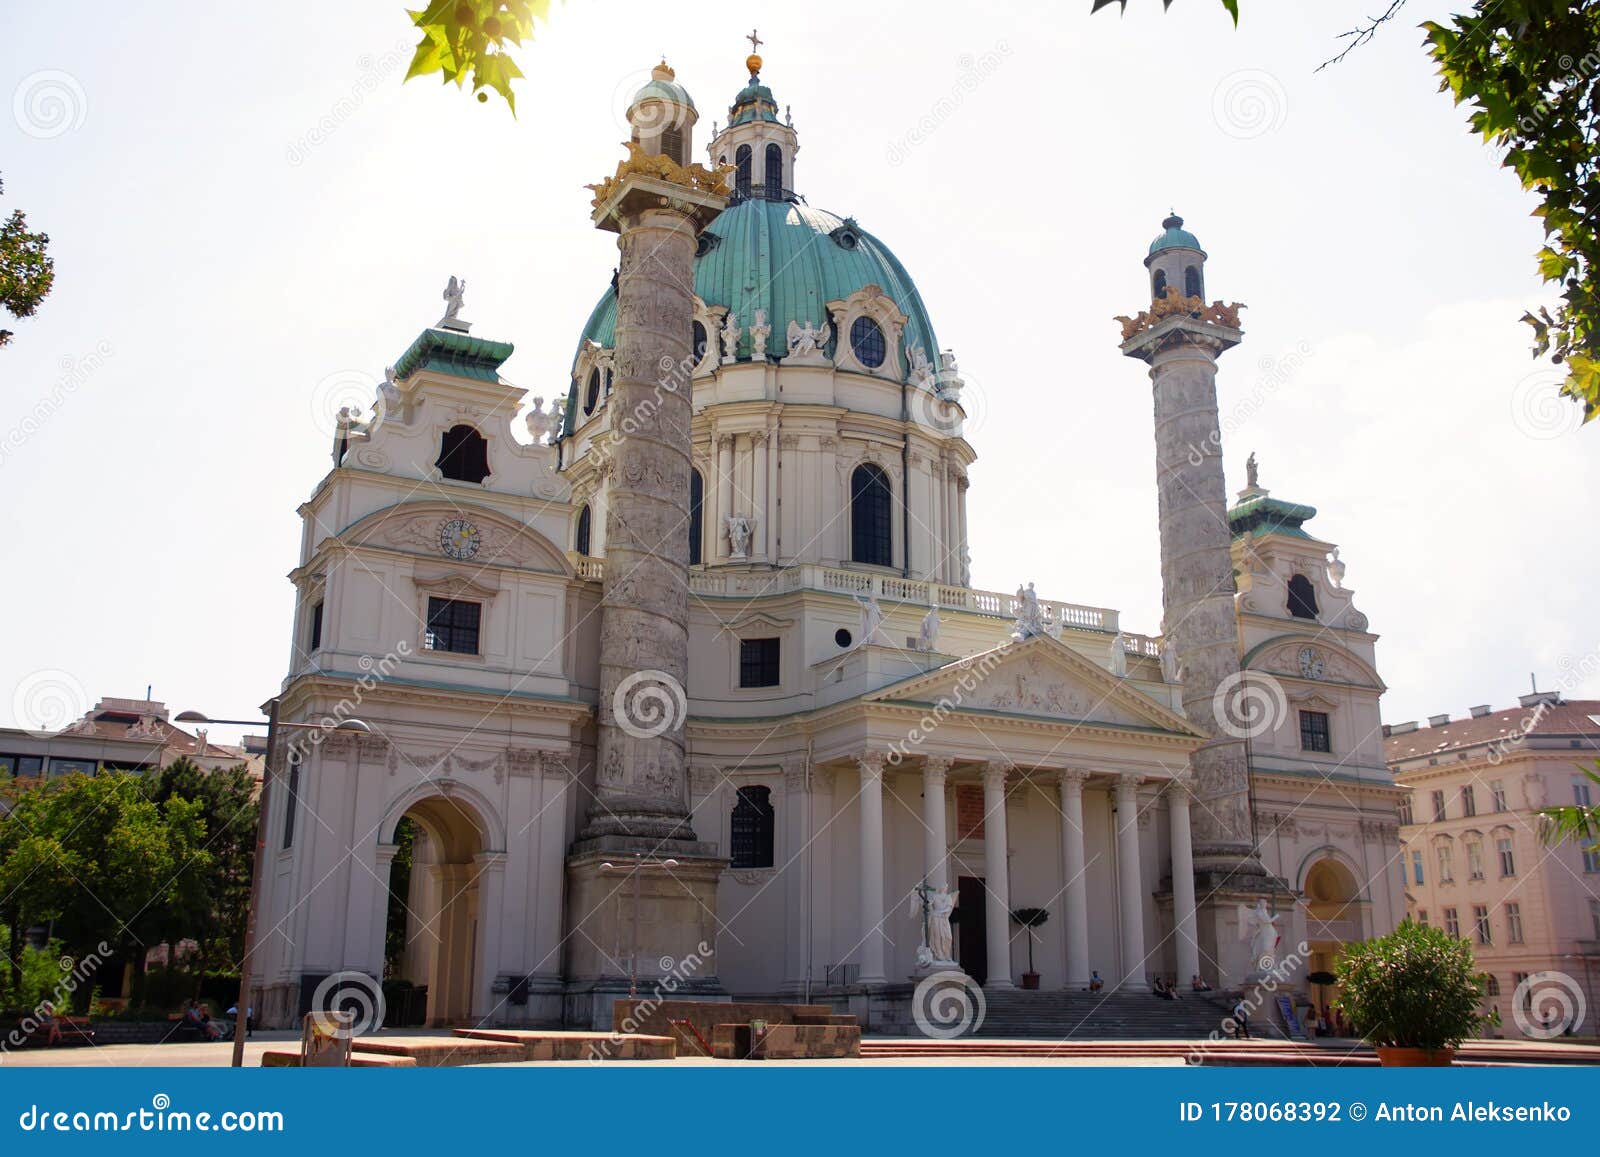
(689, 681)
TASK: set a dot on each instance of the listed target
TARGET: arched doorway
(1334, 917)
(431, 928)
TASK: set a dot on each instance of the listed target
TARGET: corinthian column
(1183, 925)
(1074, 876)
(997, 877)
(871, 806)
(1129, 887)
(935, 839)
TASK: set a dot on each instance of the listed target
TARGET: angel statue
(1260, 927)
(871, 620)
(806, 340)
(453, 294)
(938, 941)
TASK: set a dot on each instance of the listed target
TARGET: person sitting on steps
(1095, 983)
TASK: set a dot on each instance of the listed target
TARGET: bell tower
(758, 146)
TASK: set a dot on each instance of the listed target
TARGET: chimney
(1438, 720)
(1480, 710)
(1553, 698)
(1403, 728)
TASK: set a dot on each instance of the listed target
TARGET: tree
(1574, 822)
(1531, 71)
(467, 40)
(229, 810)
(26, 269)
(99, 861)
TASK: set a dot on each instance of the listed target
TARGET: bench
(74, 1030)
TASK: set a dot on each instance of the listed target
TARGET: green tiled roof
(657, 89)
(449, 352)
(790, 260)
(1175, 237)
(1262, 514)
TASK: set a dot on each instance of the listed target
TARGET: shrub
(1417, 987)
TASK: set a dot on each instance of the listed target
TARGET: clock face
(458, 538)
(1311, 662)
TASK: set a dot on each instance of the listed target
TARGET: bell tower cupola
(1176, 260)
(758, 146)
(662, 116)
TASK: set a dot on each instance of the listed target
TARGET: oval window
(698, 341)
(866, 341)
(843, 637)
(592, 395)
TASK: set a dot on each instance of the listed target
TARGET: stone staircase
(1107, 1016)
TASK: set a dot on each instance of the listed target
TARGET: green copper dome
(662, 85)
(755, 102)
(790, 260)
(1175, 237)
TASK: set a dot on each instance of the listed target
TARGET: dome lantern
(662, 116)
(759, 147)
(1176, 260)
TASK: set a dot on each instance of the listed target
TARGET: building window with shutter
(751, 829)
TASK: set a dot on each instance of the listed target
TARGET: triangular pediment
(1041, 677)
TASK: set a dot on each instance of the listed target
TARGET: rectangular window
(1446, 869)
(1527, 991)
(8, 767)
(1498, 791)
(1514, 923)
(316, 627)
(1469, 802)
(71, 767)
(1451, 924)
(1314, 731)
(1591, 860)
(1422, 917)
(1594, 917)
(29, 765)
(1508, 857)
(292, 802)
(1480, 924)
(758, 662)
(1405, 809)
(1475, 861)
(1438, 807)
(453, 626)
(1416, 866)
(1580, 793)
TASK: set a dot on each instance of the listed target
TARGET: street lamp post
(639, 865)
(258, 867)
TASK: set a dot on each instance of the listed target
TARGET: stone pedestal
(1217, 931)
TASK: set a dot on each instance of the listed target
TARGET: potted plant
(1414, 995)
(1030, 918)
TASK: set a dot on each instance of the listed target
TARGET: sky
(251, 216)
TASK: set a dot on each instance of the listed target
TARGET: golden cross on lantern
(755, 41)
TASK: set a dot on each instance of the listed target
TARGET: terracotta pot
(1394, 1056)
(1030, 980)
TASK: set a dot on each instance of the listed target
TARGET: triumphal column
(642, 888)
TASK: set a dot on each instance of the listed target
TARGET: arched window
(1158, 287)
(697, 340)
(697, 498)
(752, 829)
(866, 342)
(591, 394)
(580, 541)
(741, 171)
(672, 144)
(1191, 282)
(871, 514)
(1302, 598)
(463, 455)
(772, 181)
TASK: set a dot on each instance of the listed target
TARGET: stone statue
(1169, 661)
(937, 949)
(542, 424)
(453, 294)
(389, 391)
(760, 331)
(921, 368)
(1030, 619)
(966, 567)
(740, 528)
(871, 620)
(1260, 927)
(947, 363)
(1251, 472)
(1119, 655)
(730, 339)
(1336, 570)
(928, 632)
(806, 341)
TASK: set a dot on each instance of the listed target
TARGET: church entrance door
(972, 941)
